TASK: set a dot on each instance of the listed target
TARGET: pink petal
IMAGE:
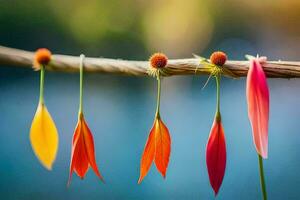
(216, 155)
(257, 92)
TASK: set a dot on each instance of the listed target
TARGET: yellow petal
(44, 136)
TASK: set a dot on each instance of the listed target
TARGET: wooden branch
(189, 66)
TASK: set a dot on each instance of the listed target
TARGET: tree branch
(189, 66)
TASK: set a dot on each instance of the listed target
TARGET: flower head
(83, 151)
(158, 60)
(44, 137)
(157, 149)
(216, 155)
(42, 57)
(257, 93)
(218, 58)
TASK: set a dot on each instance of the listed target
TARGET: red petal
(75, 155)
(148, 155)
(216, 156)
(257, 92)
(81, 159)
(83, 152)
(89, 148)
(163, 147)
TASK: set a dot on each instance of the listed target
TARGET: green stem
(218, 115)
(42, 78)
(81, 84)
(158, 96)
(262, 178)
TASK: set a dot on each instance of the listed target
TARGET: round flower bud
(218, 58)
(158, 60)
(42, 56)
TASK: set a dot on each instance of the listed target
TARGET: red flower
(257, 92)
(83, 152)
(216, 155)
(157, 149)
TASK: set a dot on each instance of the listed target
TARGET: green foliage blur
(133, 29)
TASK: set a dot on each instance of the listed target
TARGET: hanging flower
(158, 145)
(43, 133)
(83, 150)
(44, 137)
(216, 145)
(257, 93)
(216, 155)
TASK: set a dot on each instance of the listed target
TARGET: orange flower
(42, 57)
(157, 149)
(83, 151)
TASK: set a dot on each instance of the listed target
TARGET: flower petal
(89, 148)
(79, 159)
(83, 152)
(257, 92)
(216, 155)
(73, 153)
(163, 147)
(148, 154)
(44, 137)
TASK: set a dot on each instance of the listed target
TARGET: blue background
(120, 109)
(120, 113)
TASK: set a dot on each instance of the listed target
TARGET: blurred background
(120, 109)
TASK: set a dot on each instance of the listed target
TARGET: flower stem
(42, 78)
(81, 84)
(262, 178)
(158, 96)
(218, 115)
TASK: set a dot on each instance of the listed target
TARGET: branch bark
(189, 66)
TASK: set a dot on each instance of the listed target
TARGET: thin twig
(188, 66)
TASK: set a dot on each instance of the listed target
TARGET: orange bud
(42, 57)
(218, 58)
(158, 60)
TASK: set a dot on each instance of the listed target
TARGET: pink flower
(216, 155)
(257, 93)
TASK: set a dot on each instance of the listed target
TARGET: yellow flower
(44, 136)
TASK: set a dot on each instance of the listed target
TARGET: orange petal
(148, 154)
(80, 156)
(83, 152)
(89, 148)
(73, 154)
(163, 147)
(79, 160)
